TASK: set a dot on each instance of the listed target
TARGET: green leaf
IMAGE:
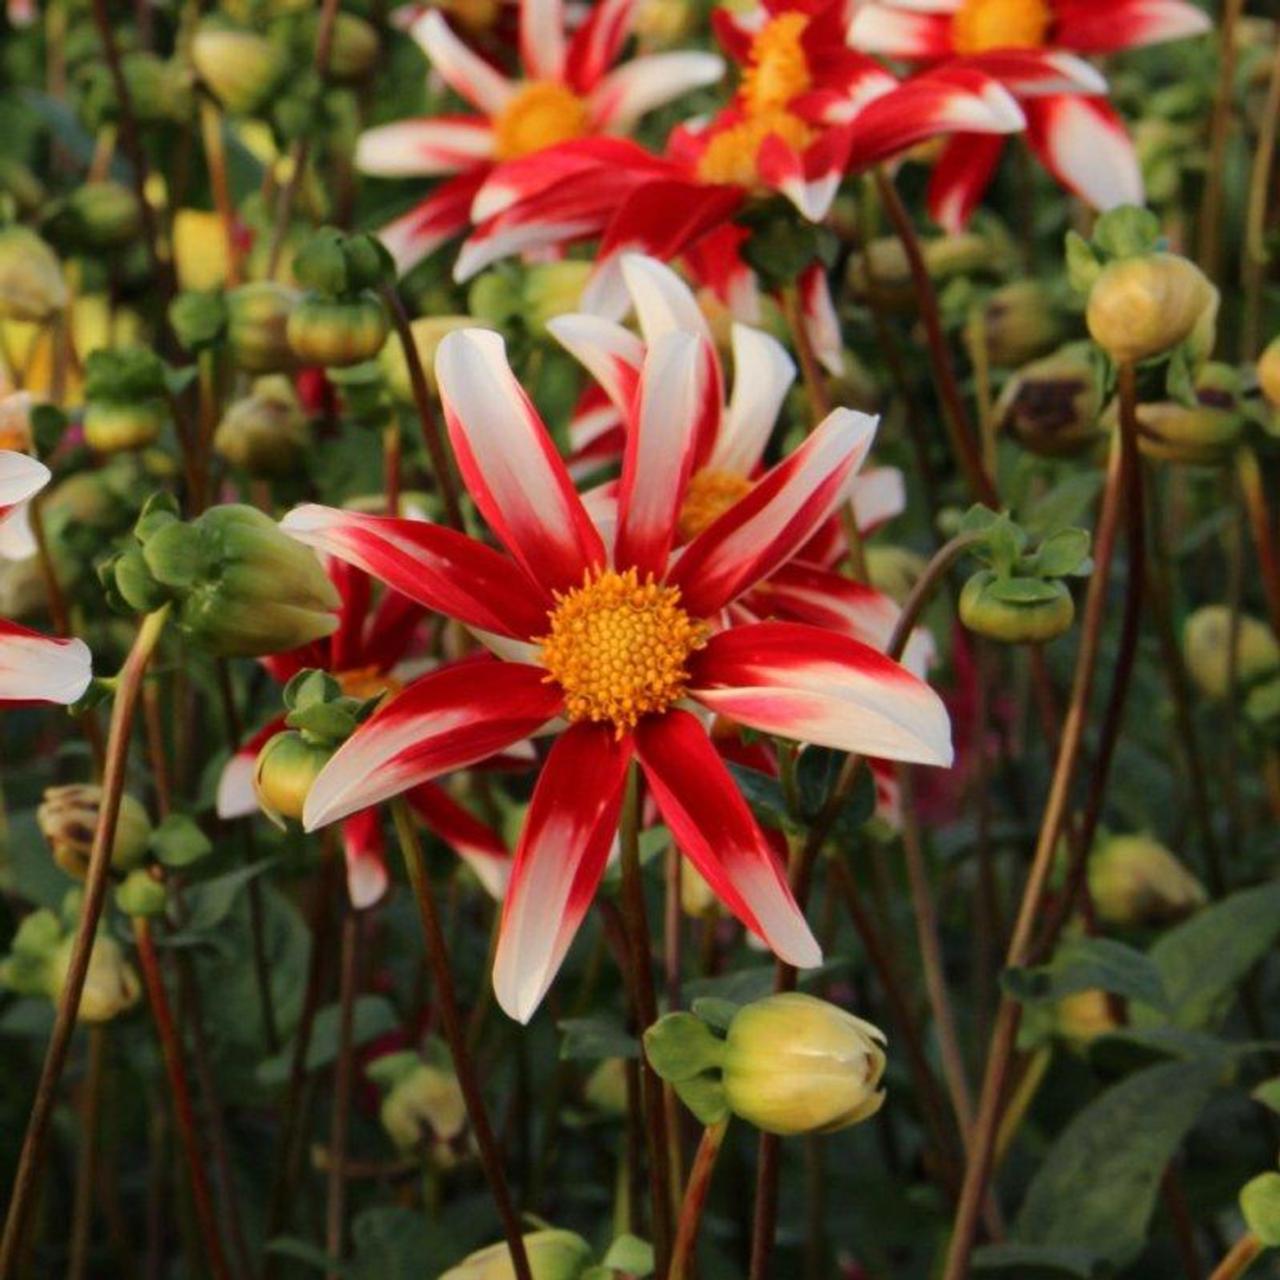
(1085, 963)
(1061, 554)
(817, 772)
(597, 1037)
(680, 1046)
(1203, 959)
(717, 1014)
(1023, 590)
(312, 1255)
(1028, 1262)
(28, 869)
(1268, 1093)
(210, 901)
(1260, 1204)
(1097, 1187)
(1126, 231)
(371, 1017)
(763, 794)
(178, 841)
(1082, 263)
(630, 1254)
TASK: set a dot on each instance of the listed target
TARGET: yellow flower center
(709, 496)
(731, 155)
(367, 682)
(618, 647)
(539, 116)
(777, 68)
(980, 25)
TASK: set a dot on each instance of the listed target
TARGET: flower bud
(337, 331)
(125, 404)
(553, 289)
(141, 894)
(1269, 373)
(606, 1087)
(111, 985)
(1145, 306)
(354, 50)
(552, 1254)
(1052, 406)
(200, 249)
(1201, 434)
(104, 215)
(425, 1104)
(286, 767)
(68, 818)
(1018, 323)
(115, 428)
(1084, 1016)
(31, 283)
(240, 68)
(882, 270)
(158, 90)
(257, 326)
(894, 570)
(697, 898)
(265, 432)
(428, 333)
(1016, 610)
(1262, 708)
(796, 1064)
(1206, 643)
(1136, 880)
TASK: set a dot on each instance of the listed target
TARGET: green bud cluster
(340, 320)
(125, 399)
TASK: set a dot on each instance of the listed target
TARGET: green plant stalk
(1263, 529)
(343, 1084)
(695, 1197)
(215, 155)
(86, 1167)
(1209, 247)
(456, 1036)
(31, 1158)
(1242, 1255)
(1254, 259)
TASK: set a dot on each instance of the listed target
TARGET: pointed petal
(236, 797)
(961, 176)
(563, 849)
(38, 668)
(1036, 71)
(445, 720)
(510, 464)
(465, 72)
(770, 523)
(364, 849)
(878, 494)
(611, 354)
(663, 302)
(443, 144)
(542, 43)
(1084, 144)
(443, 570)
(822, 324)
(444, 214)
(21, 478)
(1094, 28)
(762, 375)
(664, 217)
(809, 181)
(642, 84)
(597, 43)
(815, 686)
(17, 537)
(478, 845)
(714, 829)
(900, 33)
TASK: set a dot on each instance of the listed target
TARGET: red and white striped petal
(465, 72)
(37, 668)
(1035, 71)
(17, 537)
(1090, 27)
(597, 434)
(642, 84)
(714, 829)
(770, 523)
(444, 214)
(477, 844)
(822, 324)
(236, 797)
(364, 849)
(809, 181)
(21, 478)
(878, 494)
(961, 177)
(445, 720)
(597, 43)
(567, 835)
(815, 686)
(440, 569)
(663, 302)
(808, 593)
(762, 375)
(679, 404)
(408, 148)
(542, 42)
(899, 32)
(510, 463)
(611, 354)
(1085, 145)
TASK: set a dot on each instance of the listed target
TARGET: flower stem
(1254, 259)
(456, 1035)
(695, 1196)
(343, 1083)
(215, 154)
(1262, 527)
(1209, 246)
(184, 1112)
(1237, 1262)
(31, 1159)
(91, 1097)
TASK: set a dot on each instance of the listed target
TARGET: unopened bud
(265, 432)
(283, 774)
(664, 22)
(111, 985)
(257, 326)
(553, 289)
(354, 49)
(552, 1254)
(796, 1064)
(115, 428)
(697, 898)
(1016, 610)
(239, 67)
(1145, 306)
(1052, 406)
(428, 333)
(1136, 880)
(424, 1105)
(31, 283)
(1084, 1016)
(336, 332)
(200, 249)
(606, 1087)
(1269, 373)
(141, 894)
(104, 215)
(894, 570)
(68, 819)
(1019, 323)
(1206, 645)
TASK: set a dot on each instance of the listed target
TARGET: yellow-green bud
(111, 985)
(112, 426)
(257, 326)
(553, 289)
(265, 432)
(337, 331)
(283, 774)
(894, 570)
(141, 894)
(664, 22)
(1144, 306)
(354, 51)
(106, 215)
(1084, 1016)
(796, 1064)
(1052, 406)
(240, 68)
(1019, 323)
(1206, 643)
(1269, 373)
(882, 271)
(989, 607)
(31, 283)
(552, 1254)
(428, 333)
(1136, 880)
(425, 1104)
(697, 898)
(68, 818)
(606, 1087)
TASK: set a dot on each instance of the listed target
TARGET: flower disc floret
(777, 67)
(710, 494)
(618, 647)
(540, 115)
(732, 154)
(982, 25)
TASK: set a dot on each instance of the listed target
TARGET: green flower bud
(354, 51)
(198, 318)
(282, 775)
(1269, 373)
(141, 894)
(894, 570)
(20, 183)
(111, 985)
(425, 1104)
(1206, 643)
(882, 270)
(553, 1255)
(111, 427)
(1145, 306)
(1052, 406)
(606, 1087)
(337, 332)
(104, 215)
(240, 68)
(159, 91)
(1136, 880)
(1201, 434)
(795, 1064)
(1016, 610)
(1262, 707)
(31, 283)
(697, 898)
(428, 333)
(336, 265)
(68, 818)
(1082, 1017)
(553, 289)
(1019, 323)
(26, 970)
(496, 297)
(257, 324)
(264, 433)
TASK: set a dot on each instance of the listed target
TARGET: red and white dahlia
(570, 88)
(1030, 45)
(622, 644)
(34, 667)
